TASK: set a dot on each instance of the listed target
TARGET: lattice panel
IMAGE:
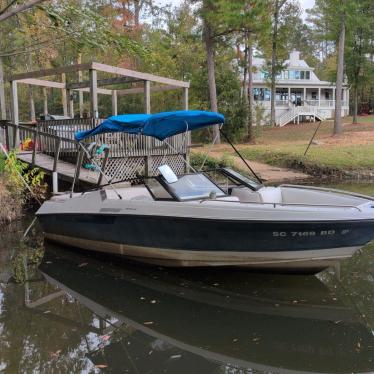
(174, 161)
(125, 168)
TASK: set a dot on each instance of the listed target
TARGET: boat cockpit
(225, 184)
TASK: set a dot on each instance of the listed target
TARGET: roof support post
(147, 97)
(289, 94)
(70, 98)
(319, 96)
(93, 93)
(15, 113)
(185, 98)
(63, 93)
(347, 98)
(114, 103)
(304, 94)
(2, 92)
(45, 101)
(80, 79)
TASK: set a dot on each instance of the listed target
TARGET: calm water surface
(65, 312)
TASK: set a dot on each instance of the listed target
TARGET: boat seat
(245, 195)
(271, 195)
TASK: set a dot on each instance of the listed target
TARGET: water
(63, 312)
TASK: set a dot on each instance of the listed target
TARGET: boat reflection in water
(206, 321)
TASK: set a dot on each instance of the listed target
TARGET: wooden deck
(65, 170)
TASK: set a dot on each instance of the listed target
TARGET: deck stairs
(294, 114)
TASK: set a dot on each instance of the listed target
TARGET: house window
(302, 74)
(307, 75)
(261, 94)
(314, 95)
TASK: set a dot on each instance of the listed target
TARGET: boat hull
(176, 241)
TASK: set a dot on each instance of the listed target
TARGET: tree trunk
(245, 70)
(339, 78)
(250, 90)
(209, 45)
(355, 104)
(273, 63)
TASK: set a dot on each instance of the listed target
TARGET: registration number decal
(310, 233)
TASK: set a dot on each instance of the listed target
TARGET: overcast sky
(305, 4)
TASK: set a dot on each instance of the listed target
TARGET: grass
(285, 146)
(340, 157)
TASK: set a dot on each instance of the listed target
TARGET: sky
(305, 4)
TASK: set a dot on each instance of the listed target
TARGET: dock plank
(65, 170)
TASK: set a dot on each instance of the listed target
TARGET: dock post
(54, 182)
(45, 101)
(71, 103)
(147, 97)
(2, 101)
(114, 103)
(34, 140)
(185, 98)
(93, 93)
(63, 93)
(55, 161)
(80, 80)
(15, 114)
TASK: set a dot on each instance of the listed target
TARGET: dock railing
(129, 155)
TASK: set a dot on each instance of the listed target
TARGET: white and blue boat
(198, 219)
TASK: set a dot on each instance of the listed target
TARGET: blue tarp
(160, 125)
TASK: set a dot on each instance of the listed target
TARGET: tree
(208, 36)
(6, 13)
(359, 47)
(340, 70)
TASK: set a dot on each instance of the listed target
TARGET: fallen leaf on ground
(55, 354)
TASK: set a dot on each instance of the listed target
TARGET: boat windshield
(193, 186)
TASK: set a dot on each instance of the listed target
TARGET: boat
(220, 320)
(208, 218)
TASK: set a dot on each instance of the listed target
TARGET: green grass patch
(304, 132)
(351, 157)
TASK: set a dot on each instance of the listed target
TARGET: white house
(300, 94)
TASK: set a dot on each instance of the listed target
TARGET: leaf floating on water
(256, 339)
(215, 284)
(148, 323)
(83, 264)
(235, 340)
(46, 312)
(173, 357)
(101, 366)
(336, 322)
(153, 301)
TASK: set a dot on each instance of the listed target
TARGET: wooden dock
(65, 170)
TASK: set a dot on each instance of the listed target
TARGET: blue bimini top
(159, 125)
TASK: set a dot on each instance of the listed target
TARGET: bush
(197, 159)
